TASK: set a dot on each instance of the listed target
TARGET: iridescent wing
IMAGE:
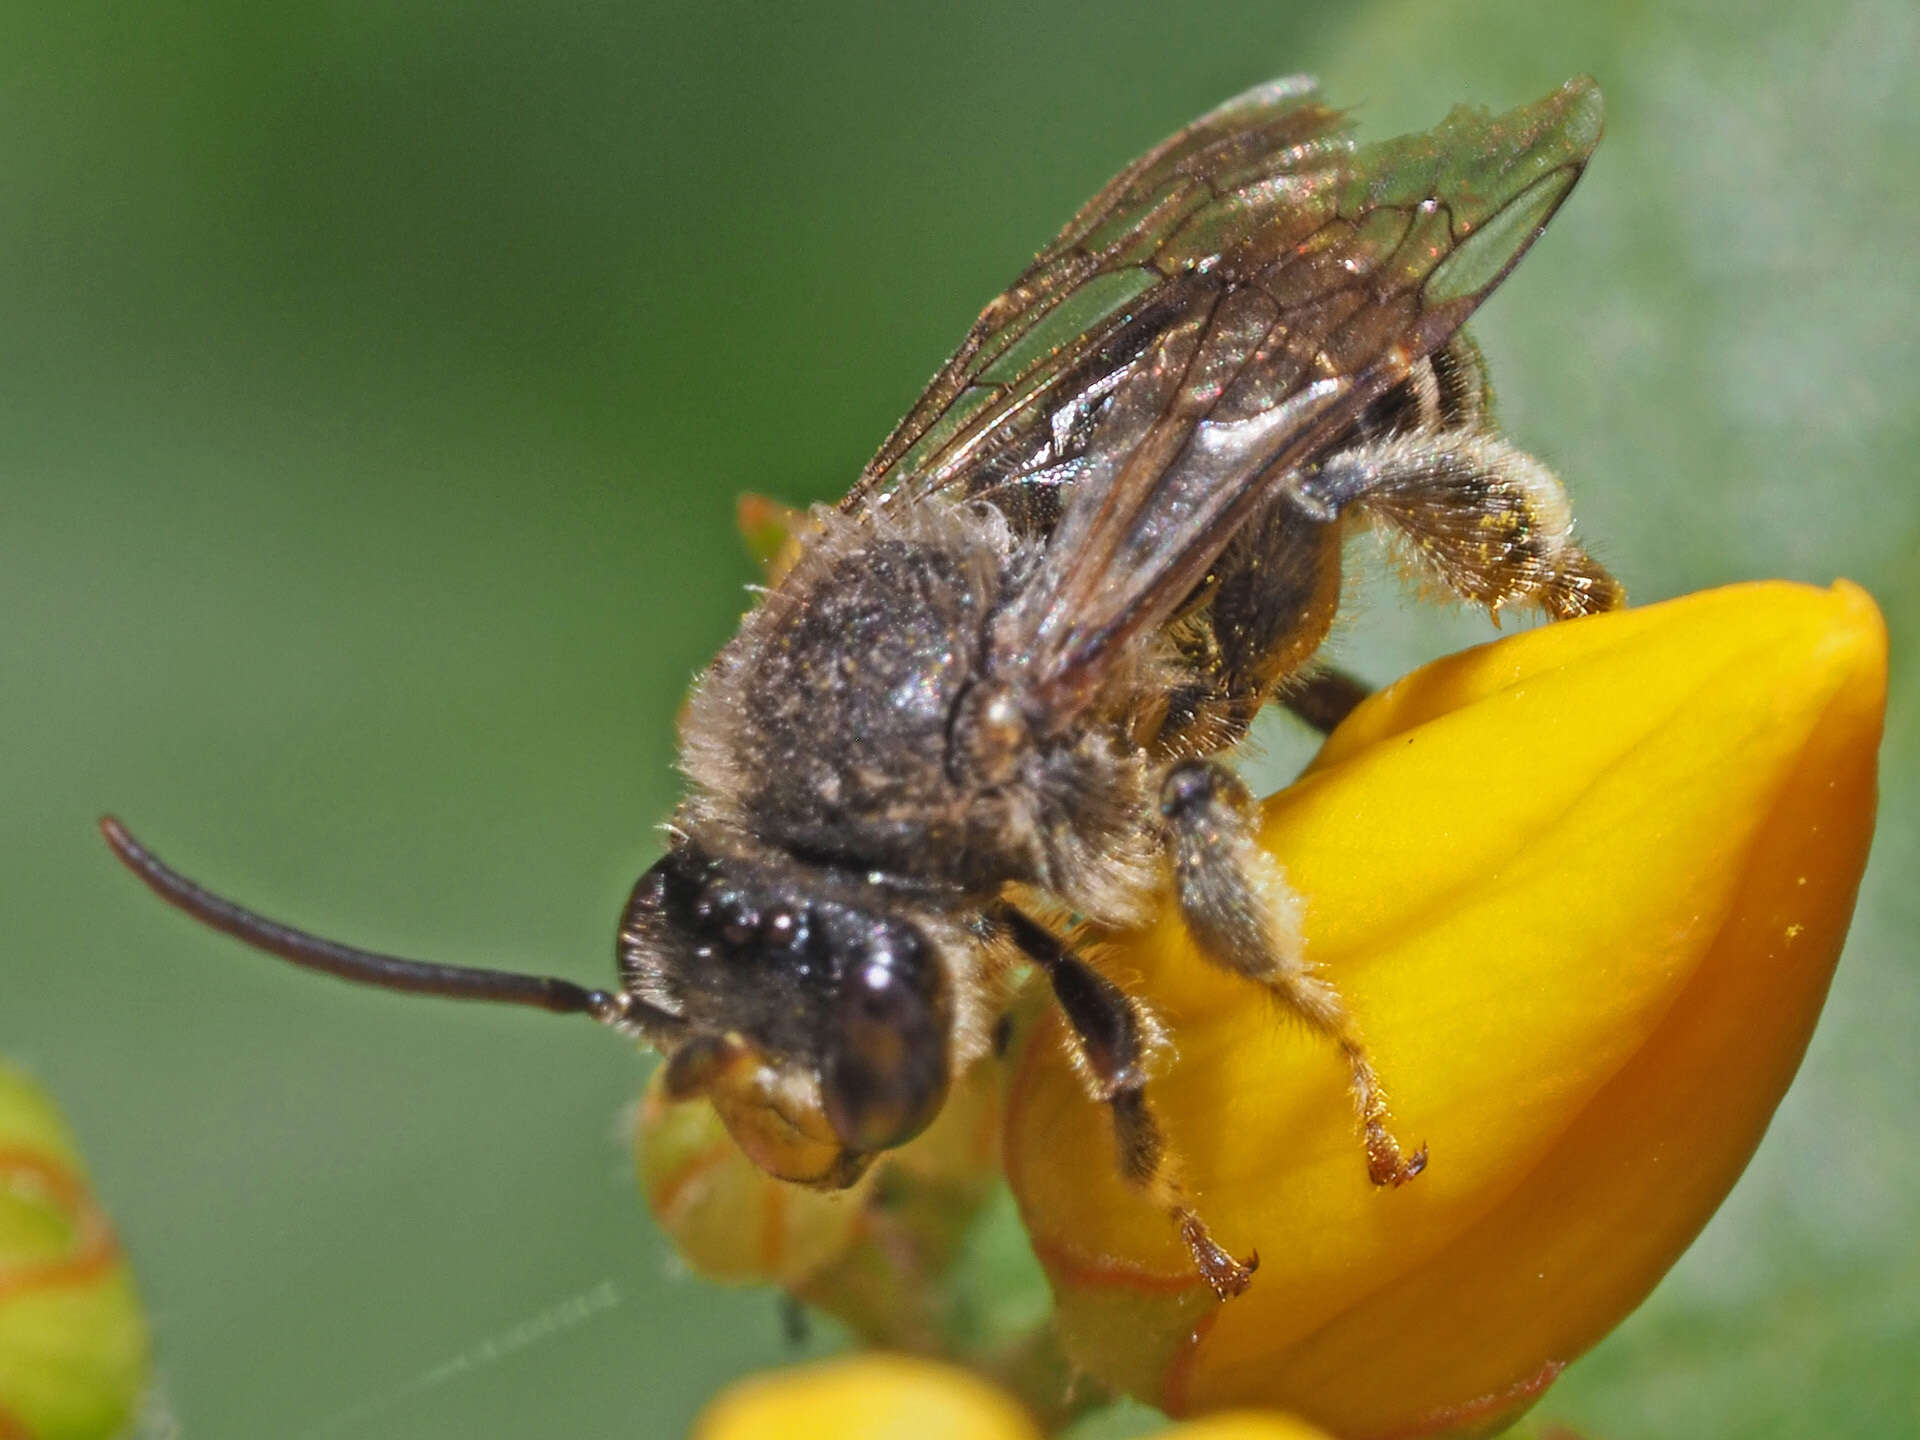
(1213, 319)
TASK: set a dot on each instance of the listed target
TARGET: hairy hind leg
(1242, 914)
(1113, 1035)
(1485, 519)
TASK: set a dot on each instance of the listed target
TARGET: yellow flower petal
(73, 1343)
(1243, 1425)
(866, 1397)
(1584, 888)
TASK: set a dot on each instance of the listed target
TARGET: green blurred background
(375, 381)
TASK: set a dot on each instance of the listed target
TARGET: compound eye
(885, 1070)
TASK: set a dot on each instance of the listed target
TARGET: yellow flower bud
(772, 533)
(1584, 889)
(73, 1344)
(897, 1397)
(873, 1255)
(1243, 1425)
(728, 1218)
(865, 1397)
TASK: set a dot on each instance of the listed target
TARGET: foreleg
(1113, 1035)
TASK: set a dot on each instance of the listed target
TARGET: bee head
(816, 1014)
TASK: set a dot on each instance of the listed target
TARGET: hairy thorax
(858, 721)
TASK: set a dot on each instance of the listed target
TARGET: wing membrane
(1217, 316)
(1082, 293)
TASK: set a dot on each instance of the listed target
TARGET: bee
(984, 708)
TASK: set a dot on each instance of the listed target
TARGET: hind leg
(1325, 697)
(1486, 520)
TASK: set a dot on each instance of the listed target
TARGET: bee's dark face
(816, 1018)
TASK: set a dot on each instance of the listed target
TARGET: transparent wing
(1083, 308)
(1216, 317)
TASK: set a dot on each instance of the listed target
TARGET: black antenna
(365, 967)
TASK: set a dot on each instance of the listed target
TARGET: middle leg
(1244, 916)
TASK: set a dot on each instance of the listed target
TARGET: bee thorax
(827, 727)
(858, 720)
